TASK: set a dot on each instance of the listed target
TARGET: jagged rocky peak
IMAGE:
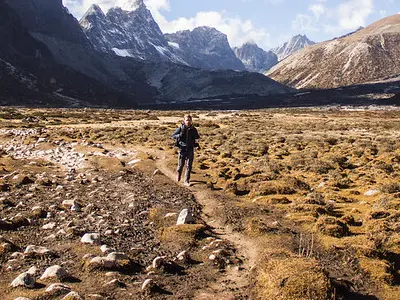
(205, 47)
(255, 58)
(295, 44)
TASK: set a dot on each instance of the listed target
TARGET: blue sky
(269, 23)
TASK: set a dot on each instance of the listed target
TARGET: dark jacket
(186, 137)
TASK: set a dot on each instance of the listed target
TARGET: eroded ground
(287, 204)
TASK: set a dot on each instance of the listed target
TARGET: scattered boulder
(55, 271)
(371, 192)
(185, 217)
(147, 285)
(72, 296)
(91, 238)
(25, 280)
(58, 288)
(116, 283)
(158, 263)
(37, 250)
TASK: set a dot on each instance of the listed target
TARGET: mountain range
(136, 34)
(47, 59)
(368, 54)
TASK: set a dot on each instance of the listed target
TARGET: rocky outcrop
(366, 55)
(256, 59)
(206, 48)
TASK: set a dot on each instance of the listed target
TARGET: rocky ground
(286, 204)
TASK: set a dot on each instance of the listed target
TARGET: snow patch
(122, 52)
(175, 45)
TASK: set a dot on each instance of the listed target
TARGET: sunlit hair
(187, 117)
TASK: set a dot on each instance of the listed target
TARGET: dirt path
(234, 283)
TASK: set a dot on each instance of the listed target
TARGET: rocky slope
(369, 54)
(295, 44)
(206, 48)
(254, 58)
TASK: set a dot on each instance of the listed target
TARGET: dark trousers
(186, 156)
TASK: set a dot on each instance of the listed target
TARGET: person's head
(187, 119)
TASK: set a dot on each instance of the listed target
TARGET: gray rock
(32, 249)
(25, 280)
(55, 272)
(33, 271)
(117, 256)
(106, 249)
(91, 238)
(158, 262)
(102, 262)
(147, 285)
(116, 283)
(72, 296)
(185, 217)
(59, 287)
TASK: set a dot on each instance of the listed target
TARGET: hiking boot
(186, 183)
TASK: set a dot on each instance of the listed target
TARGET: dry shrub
(181, 237)
(378, 270)
(391, 188)
(257, 226)
(271, 188)
(332, 226)
(383, 221)
(289, 277)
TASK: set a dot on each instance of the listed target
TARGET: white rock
(102, 262)
(36, 249)
(158, 262)
(185, 217)
(33, 271)
(22, 298)
(135, 161)
(73, 296)
(371, 192)
(212, 257)
(147, 284)
(182, 255)
(106, 249)
(58, 287)
(25, 280)
(54, 272)
(116, 256)
(91, 238)
(50, 225)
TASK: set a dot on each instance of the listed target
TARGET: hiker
(186, 135)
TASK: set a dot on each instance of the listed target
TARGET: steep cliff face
(368, 54)
(206, 48)
(256, 59)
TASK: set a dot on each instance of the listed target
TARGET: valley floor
(286, 204)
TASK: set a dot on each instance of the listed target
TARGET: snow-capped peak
(94, 9)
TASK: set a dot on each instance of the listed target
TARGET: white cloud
(317, 9)
(238, 30)
(353, 14)
(304, 23)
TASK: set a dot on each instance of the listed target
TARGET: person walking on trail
(186, 136)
